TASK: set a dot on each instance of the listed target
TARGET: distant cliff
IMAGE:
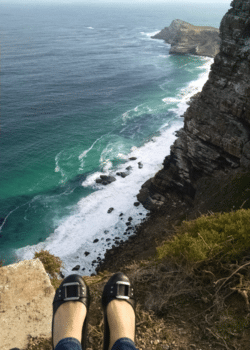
(186, 38)
(216, 133)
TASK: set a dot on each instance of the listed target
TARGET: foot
(68, 321)
(121, 320)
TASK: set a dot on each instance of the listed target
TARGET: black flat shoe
(73, 288)
(117, 287)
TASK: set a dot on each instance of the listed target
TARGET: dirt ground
(180, 326)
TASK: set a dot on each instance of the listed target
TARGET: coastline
(84, 258)
(180, 300)
(159, 225)
(162, 223)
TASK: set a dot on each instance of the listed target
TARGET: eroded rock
(186, 38)
(122, 174)
(26, 299)
(105, 180)
(216, 132)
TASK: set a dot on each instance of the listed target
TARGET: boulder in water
(105, 180)
(76, 268)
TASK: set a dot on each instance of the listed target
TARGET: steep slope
(216, 133)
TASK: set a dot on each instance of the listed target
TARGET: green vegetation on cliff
(198, 279)
(52, 265)
(202, 272)
(210, 236)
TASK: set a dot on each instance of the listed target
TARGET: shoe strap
(121, 290)
(71, 291)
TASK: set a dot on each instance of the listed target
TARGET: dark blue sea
(83, 89)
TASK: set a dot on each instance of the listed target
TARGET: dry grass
(174, 302)
(218, 305)
(181, 304)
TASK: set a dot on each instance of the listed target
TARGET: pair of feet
(70, 316)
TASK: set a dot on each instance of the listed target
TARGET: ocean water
(83, 89)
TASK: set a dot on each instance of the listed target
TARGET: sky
(113, 1)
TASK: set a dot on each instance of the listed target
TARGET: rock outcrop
(186, 38)
(105, 180)
(26, 297)
(216, 133)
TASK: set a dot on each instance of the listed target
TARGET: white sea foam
(125, 116)
(90, 27)
(122, 156)
(130, 113)
(116, 143)
(171, 100)
(107, 165)
(90, 181)
(192, 88)
(90, 220)
(58, 168)
(83, 154)
(150, 34)
(12, 211)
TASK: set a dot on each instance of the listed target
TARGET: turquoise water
(83, 88)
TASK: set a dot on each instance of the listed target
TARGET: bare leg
(68, 321)
(121, 320)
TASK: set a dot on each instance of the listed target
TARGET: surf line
(84, 153)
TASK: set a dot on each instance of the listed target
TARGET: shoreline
(191, 90)
(162, 223)
(176, 207)
(159, 226)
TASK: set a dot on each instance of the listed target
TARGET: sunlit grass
(226, 234)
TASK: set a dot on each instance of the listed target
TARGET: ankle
(68, 321)
(121, 320)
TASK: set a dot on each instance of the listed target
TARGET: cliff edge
(214, 144)
(216, 134)
(26, 297)
(186, 38)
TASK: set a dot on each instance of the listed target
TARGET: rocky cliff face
(216, 133)
(26, 297)
(186, 38)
